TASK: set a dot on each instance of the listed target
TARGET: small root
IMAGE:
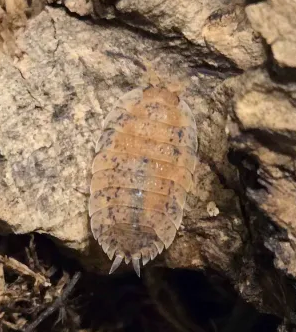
(22, 269)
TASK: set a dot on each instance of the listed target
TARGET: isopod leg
(159, 245)
(153, 251)
(136, 265)
(105, 246)
(117, 261)
(111, 251)
(145, 255)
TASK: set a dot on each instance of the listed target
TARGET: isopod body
(142, 171)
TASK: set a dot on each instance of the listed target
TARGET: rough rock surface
(80, 7)
(57, 89)
(263, 129)
(202, 23)
(53, 101)
(275, 20)
(240, 43)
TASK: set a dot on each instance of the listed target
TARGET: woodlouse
(142, 171)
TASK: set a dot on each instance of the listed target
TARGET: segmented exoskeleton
(141, 175)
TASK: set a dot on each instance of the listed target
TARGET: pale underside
(141, 175)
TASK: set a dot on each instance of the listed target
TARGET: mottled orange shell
(141, 175)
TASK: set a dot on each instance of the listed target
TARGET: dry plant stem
(2, 280)
(32, 255)
(56, 305)
(11, 326)
(22, 269)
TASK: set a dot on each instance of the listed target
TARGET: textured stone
(67, 73)
(54, 98)
(275, 20)
(263, 130)
(202, 23)
(231, 35)
(80, 7)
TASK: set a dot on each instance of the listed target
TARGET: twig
(33, 257)
(2, 280)
(23, 269)
(11, 326)
(56, 304)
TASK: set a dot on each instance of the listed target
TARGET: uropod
(141, 174)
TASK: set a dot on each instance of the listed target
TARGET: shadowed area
(163, 300)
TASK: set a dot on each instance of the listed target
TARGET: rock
(261, 130)
(275, 20)
(80, 7)
(64, 78)
(172, 18)
(240, 43)
(13, 16)
(265, 135)
(202, 24)
(53, 101)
